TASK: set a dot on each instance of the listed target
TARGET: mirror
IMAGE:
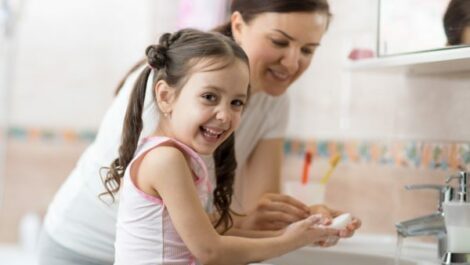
(407, 26)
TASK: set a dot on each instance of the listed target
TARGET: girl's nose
(291, 60)
(223, 115)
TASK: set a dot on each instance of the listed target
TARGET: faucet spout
(430, 225)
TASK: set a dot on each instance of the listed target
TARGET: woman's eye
(209, 97)
(280, 43)
(307, 51)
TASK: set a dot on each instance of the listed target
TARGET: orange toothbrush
(306, 169)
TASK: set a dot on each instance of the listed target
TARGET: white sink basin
(362, 250)
(318, 257)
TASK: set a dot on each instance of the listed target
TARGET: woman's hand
(275, 211)
(311, 230)
(329, 214)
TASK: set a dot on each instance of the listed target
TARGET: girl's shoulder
(162, 156)
(161, 163)
(165, 153)
(156, 164)
(165, 156)
(162, 153)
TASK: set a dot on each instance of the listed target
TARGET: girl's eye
(209, 97)
(280, 43)
(238, 103)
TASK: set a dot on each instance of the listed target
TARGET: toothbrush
(333, 163)
(306, 169)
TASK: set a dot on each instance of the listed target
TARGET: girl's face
(208, 107)
(280, 46)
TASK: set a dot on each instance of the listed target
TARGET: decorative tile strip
(64, 135)
(433, 155)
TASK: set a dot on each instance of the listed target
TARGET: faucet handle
(463, 178)
(446, 192)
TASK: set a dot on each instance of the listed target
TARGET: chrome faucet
(432, 224)
(450, 257)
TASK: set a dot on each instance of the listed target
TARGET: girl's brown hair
(173, 60)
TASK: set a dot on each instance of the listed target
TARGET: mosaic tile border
(36, 134)
(432, 155)
(418, 154)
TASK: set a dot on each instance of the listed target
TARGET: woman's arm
(262, 173)
(234, 231)
(165, 170)
(259, 191)
(265, 207)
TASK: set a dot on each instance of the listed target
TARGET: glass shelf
(447, 60)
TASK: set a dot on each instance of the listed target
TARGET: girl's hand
(311, 230)
(329, 214)
(275, 211)
(350, 228)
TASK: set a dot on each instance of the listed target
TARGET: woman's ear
(165, 96)
(238, 26)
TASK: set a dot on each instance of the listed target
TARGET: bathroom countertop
(387, 246)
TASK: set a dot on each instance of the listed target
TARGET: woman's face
(280, 46)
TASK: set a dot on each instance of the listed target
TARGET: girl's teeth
(212, 133)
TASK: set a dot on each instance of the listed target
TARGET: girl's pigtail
(225, 166)
(157, 59)
(131, 130)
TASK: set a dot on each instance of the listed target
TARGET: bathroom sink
(308, 256)
(362, 250)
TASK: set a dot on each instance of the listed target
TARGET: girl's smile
(211, 134)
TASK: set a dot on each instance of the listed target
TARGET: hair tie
(157, 56)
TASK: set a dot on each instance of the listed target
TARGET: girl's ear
(165, 97)
(238, 26)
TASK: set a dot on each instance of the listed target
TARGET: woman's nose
(291, 60)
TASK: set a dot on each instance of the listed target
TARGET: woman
(280, 38)
(457, 22)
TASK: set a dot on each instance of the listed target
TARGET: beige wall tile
(34, 172)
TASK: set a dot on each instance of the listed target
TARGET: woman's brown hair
(249, 9)
(456, 18)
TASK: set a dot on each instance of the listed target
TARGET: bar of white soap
(341, 221)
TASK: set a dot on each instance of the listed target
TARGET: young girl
(200, 85)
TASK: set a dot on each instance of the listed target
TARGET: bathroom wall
(422, 119)
(68, 51)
